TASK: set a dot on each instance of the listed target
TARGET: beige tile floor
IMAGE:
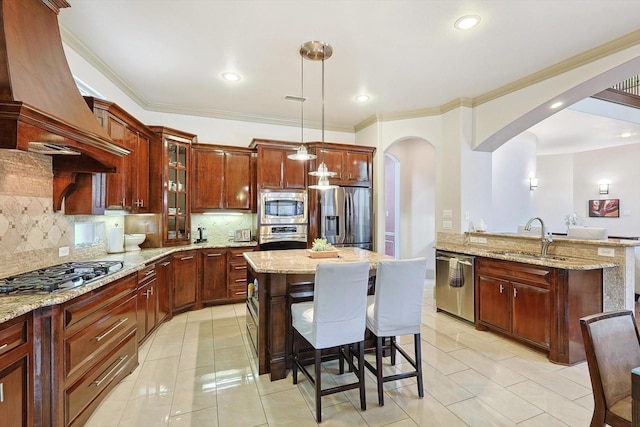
(198, 370)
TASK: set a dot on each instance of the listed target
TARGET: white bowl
(131, 241)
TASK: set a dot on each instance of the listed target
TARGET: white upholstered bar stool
(396, 309)
(335, 318)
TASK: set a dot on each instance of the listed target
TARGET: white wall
(554, 196)
(513, 202)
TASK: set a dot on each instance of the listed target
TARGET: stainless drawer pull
(164, 264)
(117, 365)
(186, 258)
(241, 293)
(501, 288)
(148, 273)
(241, 267)
(1, 392)
(241, 280)
(3, 346)
(113, 328)
(214, 254)
(515, 292)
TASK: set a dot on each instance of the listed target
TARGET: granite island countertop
(12, 306)
(298, 261)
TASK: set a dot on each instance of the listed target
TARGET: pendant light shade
(319, 51)
(302, 153)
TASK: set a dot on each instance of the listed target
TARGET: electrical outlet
(447, 225)
(482, 240)
(447, 214)
(610, 252)
(473, 239)
(63, 251)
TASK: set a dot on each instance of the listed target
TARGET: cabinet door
(531, 313)
(237, 177)
(333, 159)
(358, 166)
(142, 303)
(142, 163)
(14, 405)
(115, 195)
(164, 278)
(494, 302)
(130, 170)
(214, 277)
(185, 274)
(270, 168)
(208, 166)
(294, 172)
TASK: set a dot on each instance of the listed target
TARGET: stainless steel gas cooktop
(57, 277)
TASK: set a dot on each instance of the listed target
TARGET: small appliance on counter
(242, 235)
(131, 241)
(202, 235)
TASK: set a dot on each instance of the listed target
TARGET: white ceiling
(169, 54)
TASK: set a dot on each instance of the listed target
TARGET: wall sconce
(603, 188)
(533, 183)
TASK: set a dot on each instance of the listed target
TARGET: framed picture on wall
(604, 208)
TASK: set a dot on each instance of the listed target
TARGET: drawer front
(238, 292)
(146, 274)
(235, 255)
(88, 345)
(13, 334)
(82, 397)
(84, 311)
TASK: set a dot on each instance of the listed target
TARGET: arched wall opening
(415, 208)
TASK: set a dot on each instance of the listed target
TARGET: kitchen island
(284, 278)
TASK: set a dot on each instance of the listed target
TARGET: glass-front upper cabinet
(174, 193)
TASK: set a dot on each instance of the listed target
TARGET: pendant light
(301, 152)
(319, 51)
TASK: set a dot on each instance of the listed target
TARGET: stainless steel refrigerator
(346, 216)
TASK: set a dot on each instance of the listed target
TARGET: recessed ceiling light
(231, 77)
(557, 105)
(362, 98)
(626, 134)
(466, 22)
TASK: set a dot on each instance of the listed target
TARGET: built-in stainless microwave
(282, 207)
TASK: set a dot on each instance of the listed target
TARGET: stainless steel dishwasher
(458, 301)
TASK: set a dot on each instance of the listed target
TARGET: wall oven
(282, 207)
(282, 220)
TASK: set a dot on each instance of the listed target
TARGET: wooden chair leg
(418, 359)
(361, 368)
(392, 348)
(379, 378)
(318, 360)
(340, 360)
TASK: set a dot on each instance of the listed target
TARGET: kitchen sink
(530, 256)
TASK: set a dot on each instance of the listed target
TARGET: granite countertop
(556, 261)
(298, 261)
(14, 306)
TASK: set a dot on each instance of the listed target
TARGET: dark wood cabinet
(147, 298)
(213, 275)
(237, 275)
(164, 278)
(185, 280)
(128, 187)
(223, 178)
(16, 372)
(353, 164)
(538, 305)
(275, 171)
(87, 345)
(170, 192)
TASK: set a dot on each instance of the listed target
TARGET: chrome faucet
(546, 240)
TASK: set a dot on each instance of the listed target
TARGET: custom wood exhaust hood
(39, 100)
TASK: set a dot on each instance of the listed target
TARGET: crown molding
(569, 64)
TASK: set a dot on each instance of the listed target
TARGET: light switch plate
(610, 252)
(63, 251)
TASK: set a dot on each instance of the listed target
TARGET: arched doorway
(409, 192)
